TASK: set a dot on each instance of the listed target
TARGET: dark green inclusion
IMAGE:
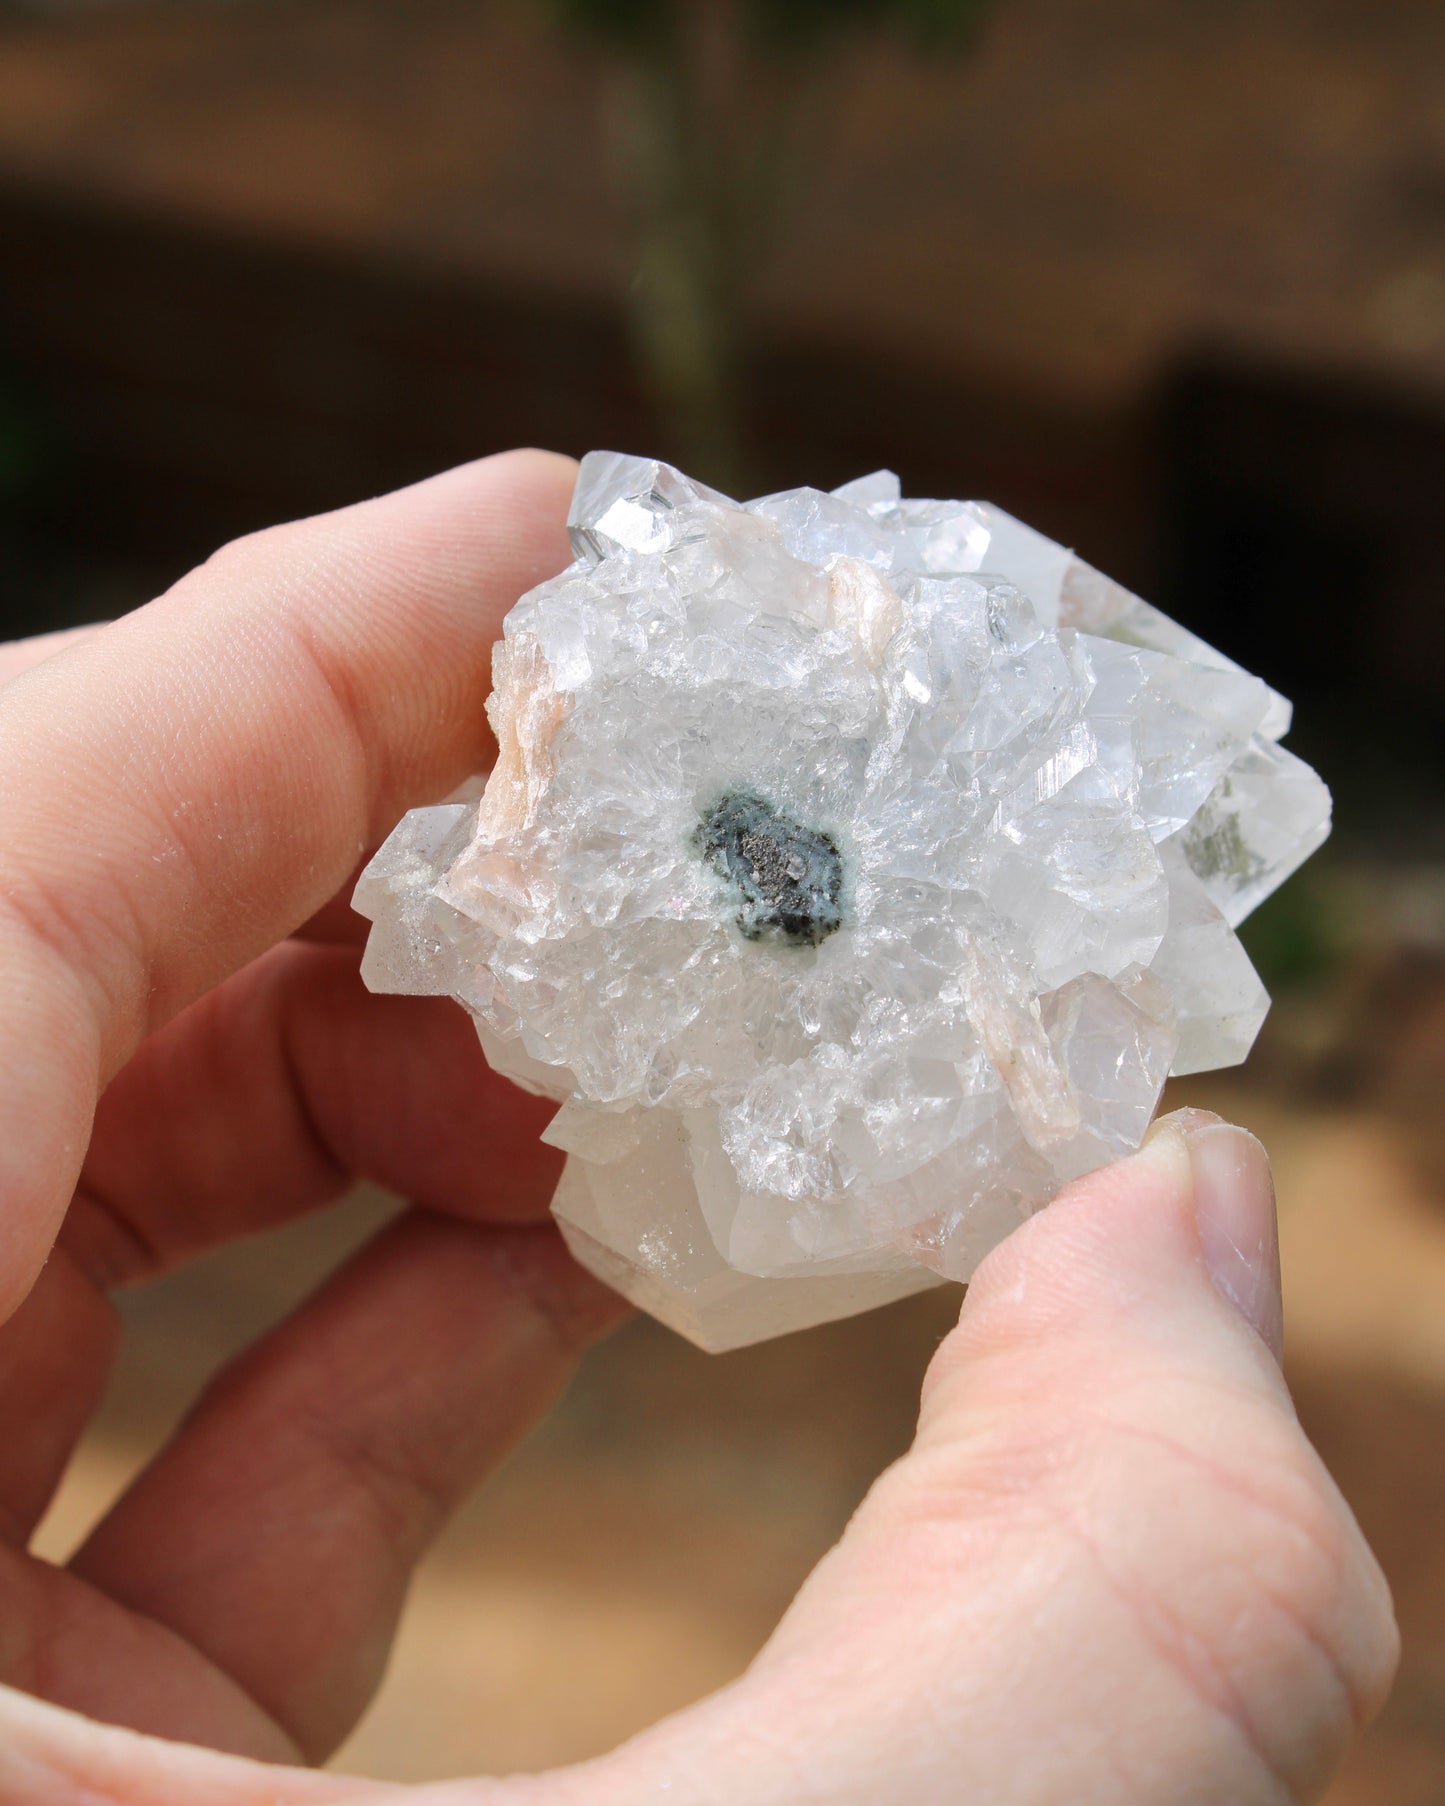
(787, 879)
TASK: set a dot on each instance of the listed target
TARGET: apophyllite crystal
(853, 871)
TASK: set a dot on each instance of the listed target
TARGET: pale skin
(1111, 1568)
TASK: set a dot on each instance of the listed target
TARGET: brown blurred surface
(1124, 178)
(259, 259)
(639, 1548)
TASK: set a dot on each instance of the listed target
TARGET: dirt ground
(637, 1551)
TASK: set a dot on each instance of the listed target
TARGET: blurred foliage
(26, 446)
(713, 113)
(645, 25)
(1302, 934)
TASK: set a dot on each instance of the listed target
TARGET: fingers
(265, 1099)
(66, 1641)
(277, 1533)
(52, 1757)
(189, 784)
(279, 1088)
(55, 1356)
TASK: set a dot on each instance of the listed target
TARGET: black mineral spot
(787, 879)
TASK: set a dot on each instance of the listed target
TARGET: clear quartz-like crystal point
(852, 873)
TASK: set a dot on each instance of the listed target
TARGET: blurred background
(1164, 277)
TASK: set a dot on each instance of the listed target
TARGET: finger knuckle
(1194, 1514)
(1270, 1608)
(238, 560)
(1333, 1602)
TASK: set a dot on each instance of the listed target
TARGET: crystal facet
(853, 872)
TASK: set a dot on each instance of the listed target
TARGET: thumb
(1111, 1567)
(1165, 1266)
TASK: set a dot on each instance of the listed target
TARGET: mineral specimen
(852, 872)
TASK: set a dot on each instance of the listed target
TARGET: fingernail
(1235, 1214)
(1182, 1120)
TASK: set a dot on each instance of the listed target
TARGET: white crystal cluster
(853, 872)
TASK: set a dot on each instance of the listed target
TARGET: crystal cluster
(853, 872)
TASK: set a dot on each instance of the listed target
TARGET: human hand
(1111, 1569)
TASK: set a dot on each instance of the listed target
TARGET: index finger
(187, 785)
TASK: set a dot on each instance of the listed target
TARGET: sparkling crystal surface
(853, 872)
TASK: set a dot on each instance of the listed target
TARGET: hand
(1110, 1570)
